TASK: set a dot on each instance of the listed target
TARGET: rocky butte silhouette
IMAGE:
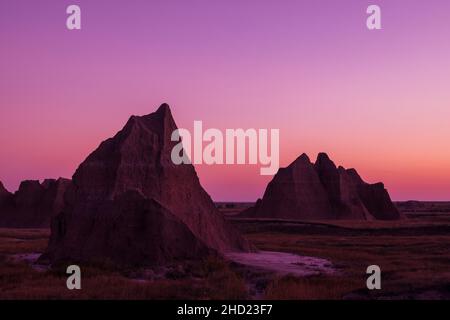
(33, 205)
(321, 191)
(130, 205)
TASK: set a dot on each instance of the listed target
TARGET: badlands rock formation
(322, 191)
(33, 205)
(130, 205)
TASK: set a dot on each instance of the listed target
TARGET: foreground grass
(311, 288)
(410, 264)
(415, 265)
(19, 280)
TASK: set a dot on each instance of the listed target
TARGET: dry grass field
(414, 256)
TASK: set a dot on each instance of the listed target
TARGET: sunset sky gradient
(378, 101)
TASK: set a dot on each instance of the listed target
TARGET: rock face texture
(321, 191)
(33, 205)
(129, 204)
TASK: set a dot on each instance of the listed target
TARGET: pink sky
(378, 101)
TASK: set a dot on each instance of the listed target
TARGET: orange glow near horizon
(375, 101)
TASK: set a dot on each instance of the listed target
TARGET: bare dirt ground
(281, 263)
(297, 260)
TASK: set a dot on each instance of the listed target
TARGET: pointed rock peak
(161, 120)
(303, 158)
(323, 161)
(138, 159)
(163, 113)
(342, 170)
(322, 156)
(164, 109)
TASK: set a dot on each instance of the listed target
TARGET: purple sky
(374, 100)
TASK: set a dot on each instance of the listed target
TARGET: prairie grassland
(414, 256)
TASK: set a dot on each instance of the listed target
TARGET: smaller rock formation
(294, 190)
(321, 191)
(33, 205)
